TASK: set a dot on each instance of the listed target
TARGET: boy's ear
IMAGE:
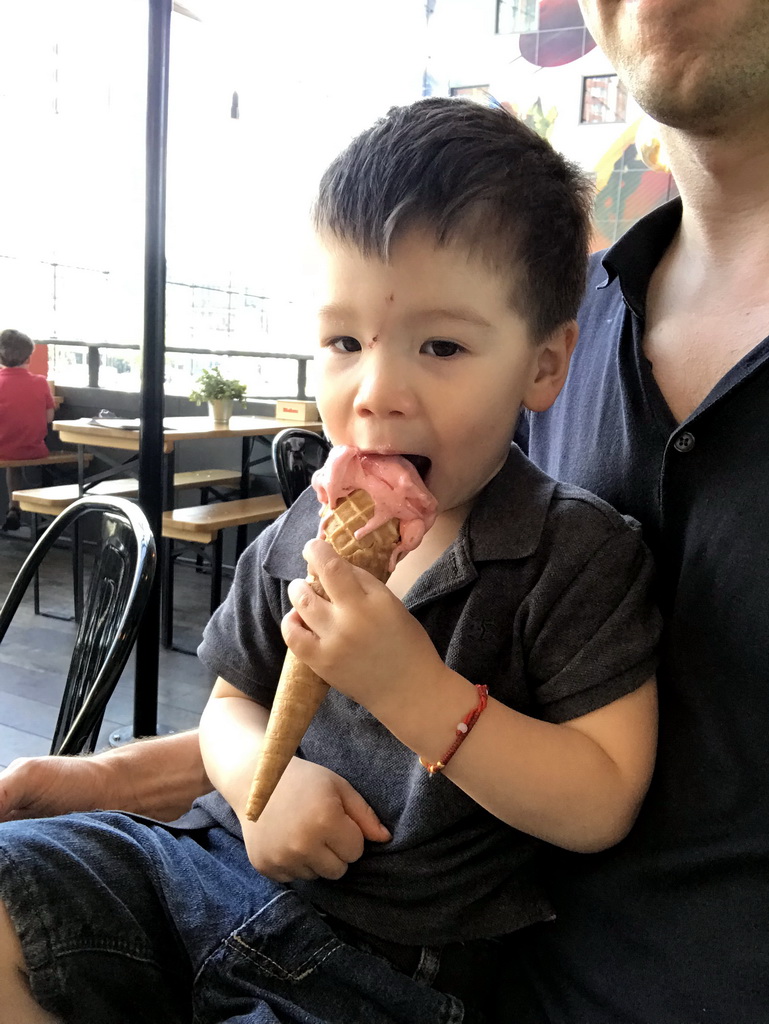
(551, 367)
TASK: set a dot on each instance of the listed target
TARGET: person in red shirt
(26, 409)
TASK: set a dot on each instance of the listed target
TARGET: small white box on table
(296, 410)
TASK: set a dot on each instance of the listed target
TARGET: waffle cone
(300, 691)
(372, 552)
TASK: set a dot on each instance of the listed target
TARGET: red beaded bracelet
(463, 728)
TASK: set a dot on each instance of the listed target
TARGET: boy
(26, 409)
(454, 244)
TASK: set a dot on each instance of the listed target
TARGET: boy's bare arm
(158, 777)
(315, 822)
(578, 785)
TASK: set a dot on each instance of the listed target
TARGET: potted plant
(221, 394)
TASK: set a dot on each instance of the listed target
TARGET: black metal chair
(296, 454)
(121, 579)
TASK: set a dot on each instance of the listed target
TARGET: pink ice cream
(395, 488)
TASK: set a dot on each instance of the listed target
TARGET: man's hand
(314, 826)
(36, 787)
(361, 640)
(157, 777)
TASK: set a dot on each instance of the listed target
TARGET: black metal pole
(153, 356)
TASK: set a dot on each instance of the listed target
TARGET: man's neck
(708, 299)
(724, 185)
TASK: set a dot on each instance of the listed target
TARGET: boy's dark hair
(475, 175)
(15, 347)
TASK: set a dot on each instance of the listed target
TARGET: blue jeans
(122, 920)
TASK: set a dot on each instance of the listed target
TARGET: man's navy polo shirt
(672, 926)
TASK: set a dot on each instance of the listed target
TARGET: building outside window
(479, 93)
(516, 16)
(604, 100)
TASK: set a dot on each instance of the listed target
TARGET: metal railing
(94, 361)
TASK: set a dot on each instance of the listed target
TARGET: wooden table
(85, 433)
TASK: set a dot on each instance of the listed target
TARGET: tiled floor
(35, 655)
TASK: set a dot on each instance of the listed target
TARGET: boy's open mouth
(420, 463)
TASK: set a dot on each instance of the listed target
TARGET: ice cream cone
(372, 552)
(300, 691)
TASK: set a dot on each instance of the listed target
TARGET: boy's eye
(442, 348)
(344, 344)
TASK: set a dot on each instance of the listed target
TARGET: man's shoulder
(602, 287)
(601, 320)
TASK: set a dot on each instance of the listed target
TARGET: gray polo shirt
(545, 597)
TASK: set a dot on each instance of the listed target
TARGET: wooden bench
(52, 459)
(198, 524)
(205, 524)
(50, 501)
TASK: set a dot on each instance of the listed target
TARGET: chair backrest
(121, 580)
(296, 454)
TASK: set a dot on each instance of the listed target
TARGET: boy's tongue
(394, 485)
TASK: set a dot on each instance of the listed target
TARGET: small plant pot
(221, 410)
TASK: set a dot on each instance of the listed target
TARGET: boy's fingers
(338, 578)
(332, 866)
(294, 630)
(364, 815)
(316, 552)
(311, 611)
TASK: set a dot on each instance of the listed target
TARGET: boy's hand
(361, 640)
(314, 825)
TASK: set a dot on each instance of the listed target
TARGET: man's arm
(158, 777)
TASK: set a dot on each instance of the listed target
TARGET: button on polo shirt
(684, 442)
(673, 925)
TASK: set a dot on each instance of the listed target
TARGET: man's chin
(694, 124)
(697, 99)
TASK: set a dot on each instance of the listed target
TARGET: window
(604, 100)
(515, 16)
(72, 203)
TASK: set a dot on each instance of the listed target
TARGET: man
(665, 415)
